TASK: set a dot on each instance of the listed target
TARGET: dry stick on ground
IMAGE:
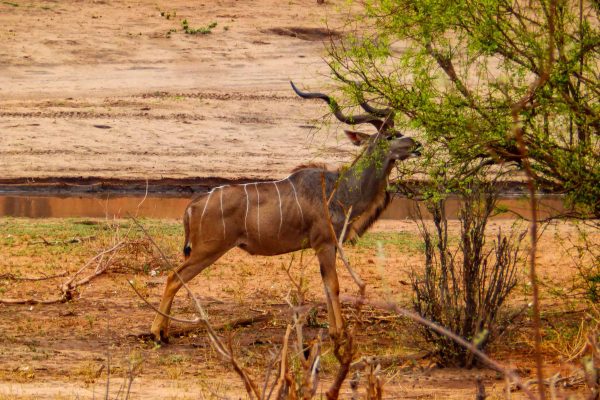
(68, 241)
(516, 109)
(236, 323)
(391, 306)
(386, 361)
(68, 288)
(202, 317)
(14, 277)
(195, 324)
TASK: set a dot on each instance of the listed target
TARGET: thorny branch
(518, 133)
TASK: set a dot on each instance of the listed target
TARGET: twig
(516, 109)
(196, 321)
(68, 284)
(268, 375)
(68, 287)
(386, 361)
(67, 241)
(443, 331)
(32, 301)
(31, 279)
(184, 330)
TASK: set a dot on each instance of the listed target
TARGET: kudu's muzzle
(416, 152)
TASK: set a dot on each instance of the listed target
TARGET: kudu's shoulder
(312, 165)
(312, 177)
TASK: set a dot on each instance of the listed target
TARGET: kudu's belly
(272, 246)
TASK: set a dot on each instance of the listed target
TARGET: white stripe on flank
(280, 210)
(247, 208)
(204, 209)
(297, 202)
(257, 210)
(222, 215)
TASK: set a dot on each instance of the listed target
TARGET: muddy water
(166, 207)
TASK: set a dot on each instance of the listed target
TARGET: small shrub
(464, 288)
(203, 30)
(586, 256)
(170, 31)
(168, 15)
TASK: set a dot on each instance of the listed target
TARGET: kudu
(270, 218)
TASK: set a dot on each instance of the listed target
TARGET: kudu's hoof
(164, 337)
(160, 337)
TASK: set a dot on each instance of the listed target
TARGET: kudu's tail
(187, 248)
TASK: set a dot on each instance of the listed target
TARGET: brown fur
(363, 222)
(315, 165)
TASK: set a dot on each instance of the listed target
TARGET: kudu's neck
(364, 180)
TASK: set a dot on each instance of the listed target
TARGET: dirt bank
(102, 89)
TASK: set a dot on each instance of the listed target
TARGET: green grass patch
(50, 245)
(403, 241)
(203, 30)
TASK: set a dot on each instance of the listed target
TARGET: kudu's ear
(357, 138)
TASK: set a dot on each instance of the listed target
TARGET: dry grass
(64, 342)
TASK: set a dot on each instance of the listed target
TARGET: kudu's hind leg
(196, 263)
(326, 255)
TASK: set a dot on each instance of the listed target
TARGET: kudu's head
(387, 139)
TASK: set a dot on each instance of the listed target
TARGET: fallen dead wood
(14, 277)
(236, 323)
(67, 241)
(387, 361)
(68, 290)
(33, 301)
(576, 379)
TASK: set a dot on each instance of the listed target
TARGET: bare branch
(391, 306)
(516, 109)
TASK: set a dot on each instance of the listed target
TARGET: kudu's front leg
(326, 255)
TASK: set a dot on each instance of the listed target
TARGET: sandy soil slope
(101, 88)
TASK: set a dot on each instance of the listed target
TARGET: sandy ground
(100, 88)
(60, 350)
